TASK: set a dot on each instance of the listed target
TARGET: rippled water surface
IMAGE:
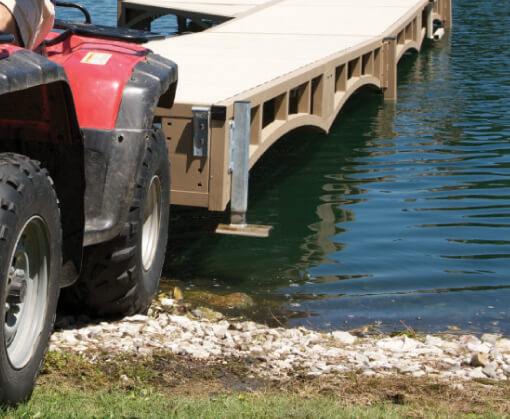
(401, 213)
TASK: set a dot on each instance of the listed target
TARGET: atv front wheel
(30, 264)
(120, 277)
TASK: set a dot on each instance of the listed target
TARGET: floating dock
(294, 62)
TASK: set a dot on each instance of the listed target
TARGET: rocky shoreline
(279, 353)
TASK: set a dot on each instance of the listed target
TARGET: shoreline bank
(279, 353)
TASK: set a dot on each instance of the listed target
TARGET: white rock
(343, 337)
(69, 337)
(249, 326)
(281, 365)
(503, 345)
(464, 340)
(410, 344)
(93, 331)
(333, 352)
(220, 331)
(256, 352)
(183, 322)
(197, 352)
(361, 358)
(433, 341)
(483, 348)
(451, 347)
(167, 303)
(135, 318)
(376, 356)
(490, 338)
(490, 371)
(477, 373)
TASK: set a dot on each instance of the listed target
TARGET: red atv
(84, 184)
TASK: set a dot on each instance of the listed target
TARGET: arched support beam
(411, 46)
(278, 128)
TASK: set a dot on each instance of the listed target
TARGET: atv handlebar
(75, 6)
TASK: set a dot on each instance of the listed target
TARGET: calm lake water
(401, 213)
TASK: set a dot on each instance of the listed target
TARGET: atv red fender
(116, 87)
(98, 71)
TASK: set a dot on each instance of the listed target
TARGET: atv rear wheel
(30, 265)
(120, 277)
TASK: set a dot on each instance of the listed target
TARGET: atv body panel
(117, 87)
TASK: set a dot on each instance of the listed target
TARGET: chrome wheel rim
(26, 299)
(151, 223)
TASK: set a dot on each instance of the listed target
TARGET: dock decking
(296, 62)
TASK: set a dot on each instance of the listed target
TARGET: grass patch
(165, 385)
(51, 401)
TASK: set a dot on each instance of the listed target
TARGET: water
(400, 214)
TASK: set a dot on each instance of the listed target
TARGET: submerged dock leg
(240, 166)
(390, 68)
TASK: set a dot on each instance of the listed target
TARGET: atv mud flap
(112, 160)
(113, 157)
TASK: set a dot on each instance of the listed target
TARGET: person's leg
(8, 24)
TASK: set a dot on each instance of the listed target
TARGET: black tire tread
(108, 285)
(17, 174)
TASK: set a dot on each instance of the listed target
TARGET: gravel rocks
(281, 352)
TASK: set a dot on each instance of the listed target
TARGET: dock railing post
(241, 160)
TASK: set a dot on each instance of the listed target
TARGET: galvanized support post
(239, 167)
(241, 161)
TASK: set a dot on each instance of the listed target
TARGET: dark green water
(401, 213)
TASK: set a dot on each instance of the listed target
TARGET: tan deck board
(226, 71)
(271, 42)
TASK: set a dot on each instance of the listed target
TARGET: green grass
(52, 401)
(168, 386)
(58, 402)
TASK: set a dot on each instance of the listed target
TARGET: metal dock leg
(240, 167)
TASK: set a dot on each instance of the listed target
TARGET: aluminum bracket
(201, 129)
